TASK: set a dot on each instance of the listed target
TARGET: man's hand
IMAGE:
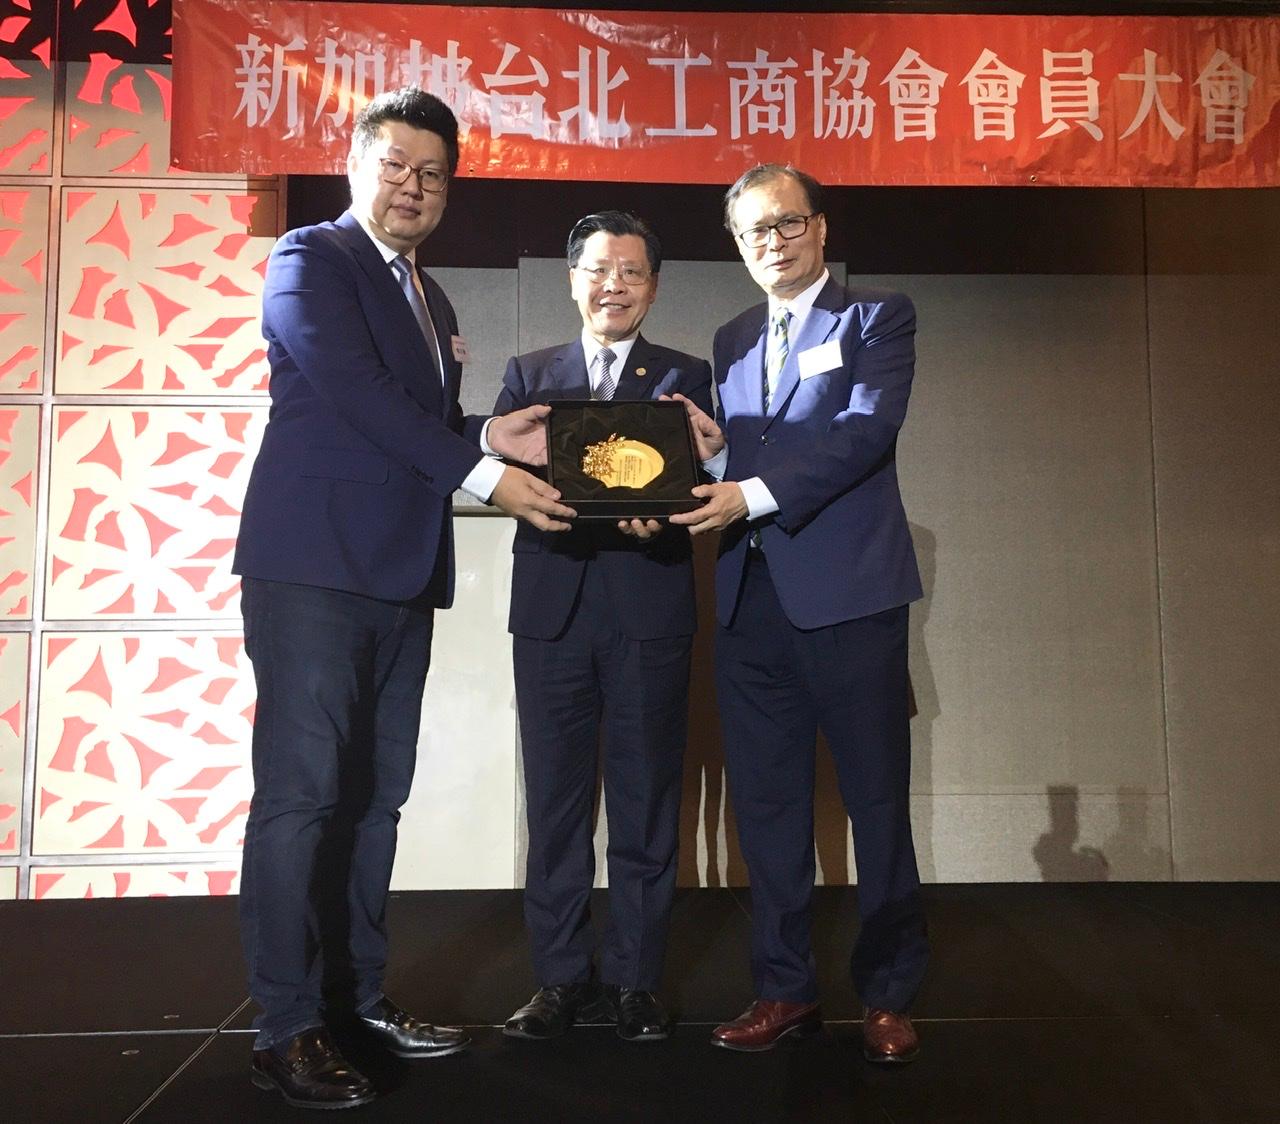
(521, 435)
(528, 498)
(725, 505)
(641, 529)
(707, 437)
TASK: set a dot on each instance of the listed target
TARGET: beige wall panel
(135, 881)
(15, 648)
(8, 883)
(144, 743)
(160, 291)
(24, 272)
(458, 830)
(19, 450)
(485, 301)
(1026, 474)
(1057, 836)
(1215, 356)
(144, 508)
(26, 134)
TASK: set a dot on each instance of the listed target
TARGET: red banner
(268, 87)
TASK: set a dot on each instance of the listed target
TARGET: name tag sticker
(824, 357)
(460, 352)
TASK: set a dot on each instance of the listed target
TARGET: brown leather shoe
(765, 1022)
(888, 1037)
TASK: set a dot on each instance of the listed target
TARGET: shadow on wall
(1056, 851)
(709, 854)
(925, 707)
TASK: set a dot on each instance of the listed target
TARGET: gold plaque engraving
(621, 462)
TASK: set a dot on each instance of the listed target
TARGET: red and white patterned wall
(132, 400)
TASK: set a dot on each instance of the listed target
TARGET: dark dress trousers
(603, 626)
(345, 551)
(813, 632)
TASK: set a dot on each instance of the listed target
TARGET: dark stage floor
(1102, 1002)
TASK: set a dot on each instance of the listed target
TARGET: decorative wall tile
(8, 883)
(144, 507)
(26, 110)
(24, 243)
(117, 118)
(135, 881)
(144, 743)
(159, 291)
(19, 448)
(14, 649)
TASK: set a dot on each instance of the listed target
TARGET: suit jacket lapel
(638, 373)
(569, 372)
(402, 324)
(440, 321)
(817, 326)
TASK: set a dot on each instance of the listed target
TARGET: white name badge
(824, 357)
(460, 352)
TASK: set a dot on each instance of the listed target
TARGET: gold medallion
(621, 462)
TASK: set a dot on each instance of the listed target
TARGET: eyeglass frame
(383, 161)
(770, 228)
(601, 274)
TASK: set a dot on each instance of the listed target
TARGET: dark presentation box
(620, 439)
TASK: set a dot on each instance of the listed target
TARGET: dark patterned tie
(605, 384)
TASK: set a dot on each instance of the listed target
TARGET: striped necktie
(404, 274)
(605, 384)
(776, 357)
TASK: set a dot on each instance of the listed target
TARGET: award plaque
(622, 459)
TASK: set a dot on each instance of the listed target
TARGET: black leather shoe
(309, 1072)
(551, 1011)
(407, 1037)
(639, 1014)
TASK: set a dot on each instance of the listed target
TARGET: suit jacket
(364, 446)
(650, 583)
(838, 547)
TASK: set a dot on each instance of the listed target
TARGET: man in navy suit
(815, 573)
(603, 620)
(346, 551)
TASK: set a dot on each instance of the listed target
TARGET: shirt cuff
(482, 479)
(716, 466)
(485, 447)
(759, 499)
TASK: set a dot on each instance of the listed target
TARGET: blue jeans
(340, 680)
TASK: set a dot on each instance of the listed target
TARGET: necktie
(604, 384)
(776, 356)
(404, 274)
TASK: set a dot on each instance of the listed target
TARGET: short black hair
(613, 222)
(415, 107)
(762, 173)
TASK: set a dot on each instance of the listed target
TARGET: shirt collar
(591, 347)
(388, 254)
(800, 304)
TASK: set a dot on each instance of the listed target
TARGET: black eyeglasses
(791, 227)
(433, 180)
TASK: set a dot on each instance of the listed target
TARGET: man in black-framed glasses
(815, 573)
(346, 552)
